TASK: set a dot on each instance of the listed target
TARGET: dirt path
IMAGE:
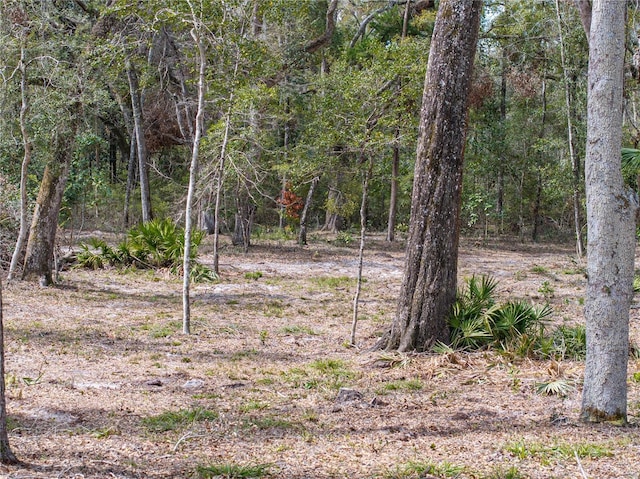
(94, 362)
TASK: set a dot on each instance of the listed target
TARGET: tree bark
(611, 214)
(6, 454)
(136, 107)
(430, 273)
(324, 39)
(42, 234)
(584, 7)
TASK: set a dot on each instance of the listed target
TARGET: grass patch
(297, 329)
(419, 469)
(557, 452)
(511, 473)
(401, 385)
(328, 282)
(328, 373)
(254, 275)
(173, 420)
(253, 405)
(233, 471)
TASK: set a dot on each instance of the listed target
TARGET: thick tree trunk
(42, 234)
(611, 223)
(430, 274)
(302, 237)
(6, 454)
(136, 107)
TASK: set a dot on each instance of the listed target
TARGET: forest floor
(103, 384)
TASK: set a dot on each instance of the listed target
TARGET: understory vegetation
(157, 244)
(516, 326)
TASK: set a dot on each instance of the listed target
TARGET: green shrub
(477, 321)
(155, 244)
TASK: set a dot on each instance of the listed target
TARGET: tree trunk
(584, 7)
(611, 223)
(193, 176)
(6, 454)
(363, 235)
(393, 195)
(302, 237)
(131, 177)
(220, 180)
(136, 107)
(24, 170)
(42, 234)
(430, 274)
(575, 165)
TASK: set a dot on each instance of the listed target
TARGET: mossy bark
(38, 262)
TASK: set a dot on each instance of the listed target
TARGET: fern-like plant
(155, 244)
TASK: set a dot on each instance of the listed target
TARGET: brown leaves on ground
(101, 382)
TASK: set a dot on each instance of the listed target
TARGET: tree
(193, 171)
(6, 454)
(430, 273)
(610, 221)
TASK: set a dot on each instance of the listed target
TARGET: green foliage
(233, 471)
(558, 451)
(401, 385)
(155, 244)
(557, 387)
(477, 321)
(569, 342)
(254, 275)
(173, 420)
(344, 238)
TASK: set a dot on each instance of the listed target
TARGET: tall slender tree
(430, 273)
(611, 213)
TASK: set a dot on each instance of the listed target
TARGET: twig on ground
(584, 474)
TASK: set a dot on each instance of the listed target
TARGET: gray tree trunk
(193, 176)
(136, 107)
(6, 454)
(575, 165)
(430, 274)
(610, 221)
(24, 170)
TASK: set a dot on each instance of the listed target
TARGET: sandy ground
(92, 362)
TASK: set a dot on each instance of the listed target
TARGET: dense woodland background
(296, 91)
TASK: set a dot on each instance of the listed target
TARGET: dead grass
(101, 383)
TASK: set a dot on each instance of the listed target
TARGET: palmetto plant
(477, 321)
(154, 244)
